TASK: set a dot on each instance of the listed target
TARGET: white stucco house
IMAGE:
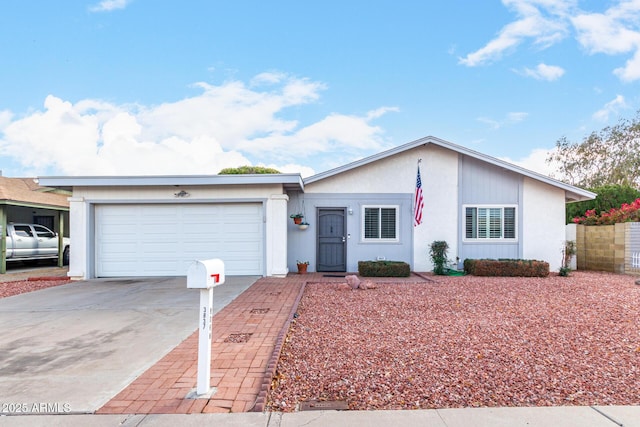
(481, 206)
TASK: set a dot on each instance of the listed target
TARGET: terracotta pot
(297, 220)
(302, 268)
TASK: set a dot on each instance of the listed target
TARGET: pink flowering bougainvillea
(628, 212)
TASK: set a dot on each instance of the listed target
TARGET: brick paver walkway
(246, 340)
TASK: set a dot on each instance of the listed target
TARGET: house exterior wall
(572, 235)
(440, 178)
(484, 184)
(303, 243)
(450, 182)
(543, 217)
(389, 181)
(82, 261)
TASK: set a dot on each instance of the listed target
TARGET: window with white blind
(490, 223)
(380, 223)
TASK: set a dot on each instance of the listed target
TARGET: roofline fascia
(293, 179)
(578, 192)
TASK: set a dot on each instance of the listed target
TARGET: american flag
(418, 202)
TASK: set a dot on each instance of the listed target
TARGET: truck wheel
(65, 256)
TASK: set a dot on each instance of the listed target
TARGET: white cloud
(611, 107)
(615, 31)
(511, 118)
(5, 118)
(516, 117)
(374, 114)
(305, 171)
(544, 21)
(535, 161)
(493, 124)
(109, 5)
(544, 72)
(223, 126)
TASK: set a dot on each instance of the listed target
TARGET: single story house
(481, 206)
(22, 200)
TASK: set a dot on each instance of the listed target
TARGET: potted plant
(302, 266)
(303, 225)
(297, 218)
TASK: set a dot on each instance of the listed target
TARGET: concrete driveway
(75, 346)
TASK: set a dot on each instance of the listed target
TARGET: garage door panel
(241, 246)
(159, 248)
(163, 240)
(110, 229)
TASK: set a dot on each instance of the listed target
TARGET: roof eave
(290, 182)
(572, 193)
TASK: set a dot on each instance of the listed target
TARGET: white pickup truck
(31, 242)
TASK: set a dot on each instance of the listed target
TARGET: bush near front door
(383, 269)
(506, 267)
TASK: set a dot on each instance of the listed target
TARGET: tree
(242, 170)
(610, 156)
(609, 197)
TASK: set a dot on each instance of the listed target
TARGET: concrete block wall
(607, 248)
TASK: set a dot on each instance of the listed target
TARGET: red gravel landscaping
(465, 341)
(8, 289)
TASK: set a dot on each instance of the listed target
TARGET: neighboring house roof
(288, 181)
(26, 192)
(572, 193)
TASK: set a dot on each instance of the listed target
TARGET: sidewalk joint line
(607, 416)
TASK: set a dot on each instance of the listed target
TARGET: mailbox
(205, 274)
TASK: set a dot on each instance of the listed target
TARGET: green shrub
(568, 252)
(438, 254)
(506, 267)
(609, 196)
(383, 269)
(242, 170)
(468, 265)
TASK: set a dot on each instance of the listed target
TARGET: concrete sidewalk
(565, 416)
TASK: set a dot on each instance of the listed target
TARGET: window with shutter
(490, 222)
(380, 223)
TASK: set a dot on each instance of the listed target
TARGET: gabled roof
(572, 193)
(26, 192)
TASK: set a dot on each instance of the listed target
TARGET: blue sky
(121, 87)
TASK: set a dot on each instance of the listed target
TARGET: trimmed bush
(383, 269)
(506, 267)
(438, 255)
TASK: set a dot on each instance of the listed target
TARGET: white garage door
(164, 239)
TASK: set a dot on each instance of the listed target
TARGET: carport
(22, 200)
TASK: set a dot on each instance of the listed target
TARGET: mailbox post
(205, 275)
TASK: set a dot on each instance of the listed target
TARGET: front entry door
(332, 240)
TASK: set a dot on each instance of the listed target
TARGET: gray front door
(332, 237)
